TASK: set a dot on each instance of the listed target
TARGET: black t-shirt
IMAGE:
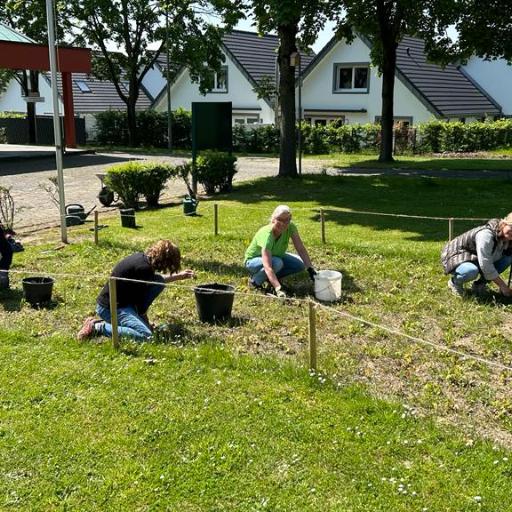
(5, 251)
(135, 266)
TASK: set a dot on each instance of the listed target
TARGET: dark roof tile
(103, 95)
(447, 89)
(257, 54)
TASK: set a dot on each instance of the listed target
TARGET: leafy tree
(297, 23)
(485, 28)
(6, 75)
(133, 25)
(29, 18)
(385, 23)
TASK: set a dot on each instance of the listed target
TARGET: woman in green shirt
(266, 257)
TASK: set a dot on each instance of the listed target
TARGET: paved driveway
(36, 210)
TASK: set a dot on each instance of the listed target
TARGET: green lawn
(492, 160)
(227, 417)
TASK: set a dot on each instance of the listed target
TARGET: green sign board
(211, 126)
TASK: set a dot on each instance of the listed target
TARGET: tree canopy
(384, 23)
(297, 23)
(133, 26)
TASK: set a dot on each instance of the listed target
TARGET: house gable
(239, 91)
(320, 94)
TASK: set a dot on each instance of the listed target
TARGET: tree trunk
(388, 89)
(287, 161)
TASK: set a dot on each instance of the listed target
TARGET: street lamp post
(295, 60)
(168, 85)
(56, 119)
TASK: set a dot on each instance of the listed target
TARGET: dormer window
(82, 86)
(351, 78)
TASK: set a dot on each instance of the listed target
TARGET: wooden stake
(450, 228)
(216, 218)
(312, 336)
(112, 288)
(96, 228)
(322, 220)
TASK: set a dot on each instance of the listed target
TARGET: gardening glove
(280, 293)
(312, 273)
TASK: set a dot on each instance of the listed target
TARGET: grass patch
(485, 160)
(229, 418)
(200, 429)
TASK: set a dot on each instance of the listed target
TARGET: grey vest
(463, 247)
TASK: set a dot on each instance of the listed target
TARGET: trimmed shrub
(3, 136)
(215, 171)
(131, 180)
(154, 176)
(126, 179)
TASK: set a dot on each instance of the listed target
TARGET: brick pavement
(36, 210)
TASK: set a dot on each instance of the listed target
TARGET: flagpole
(56, 119)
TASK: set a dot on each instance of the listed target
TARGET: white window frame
(353, 66)
(244, 117)
(215, 89)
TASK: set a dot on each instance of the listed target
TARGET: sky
(323, 38)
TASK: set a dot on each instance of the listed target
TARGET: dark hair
(164, 256)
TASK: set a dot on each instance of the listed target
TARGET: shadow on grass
(47, 163)
(10, 300)
(485, 167)
(391, 195)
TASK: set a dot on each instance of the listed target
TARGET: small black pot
(127, 218)
(37, 290)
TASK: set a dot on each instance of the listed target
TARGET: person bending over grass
(483, 252)
(134, 299)
(266, 257)
(5, 260)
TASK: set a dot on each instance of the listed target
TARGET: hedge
(434, 136)
(112, 130)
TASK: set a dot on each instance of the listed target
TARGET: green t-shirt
(264, 239)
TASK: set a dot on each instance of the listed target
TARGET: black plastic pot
(214, 302)
(189, 205)
(127, 218)
(37, 290)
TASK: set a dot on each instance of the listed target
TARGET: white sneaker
(456, 289)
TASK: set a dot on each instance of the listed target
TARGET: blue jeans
(468, 271)
(129, 320)
(284, 266)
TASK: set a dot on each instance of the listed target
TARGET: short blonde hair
(282, 208)
(164, 256)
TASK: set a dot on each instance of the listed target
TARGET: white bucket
(328, 285)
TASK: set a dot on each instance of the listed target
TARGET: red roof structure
(18, 55)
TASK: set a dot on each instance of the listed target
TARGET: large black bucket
(37, 290)
(214, 301)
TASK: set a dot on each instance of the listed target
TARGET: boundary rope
(290, 300)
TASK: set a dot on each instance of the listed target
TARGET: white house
(248, 59)
(90, 95)
(340, 83)
(495, 78)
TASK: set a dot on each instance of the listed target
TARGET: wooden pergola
(31, 56)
